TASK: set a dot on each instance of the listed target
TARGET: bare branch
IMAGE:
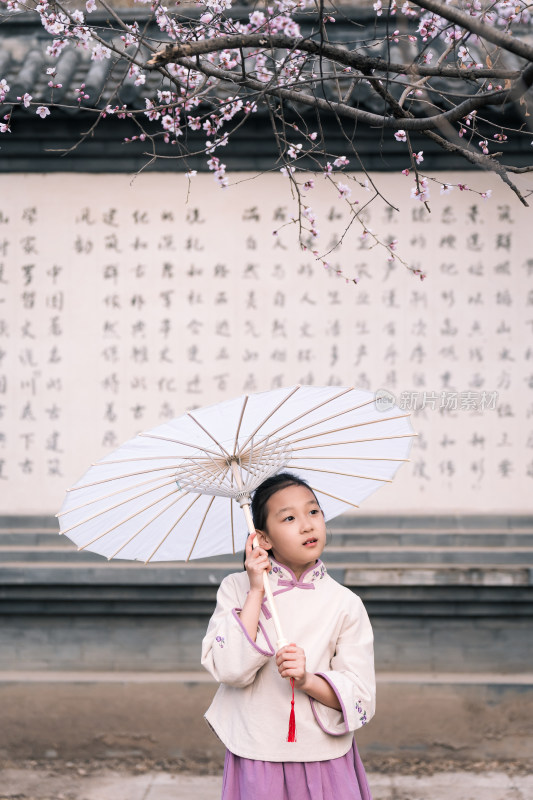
(473, 24)
(337, 53)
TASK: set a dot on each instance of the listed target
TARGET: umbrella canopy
(171, 493)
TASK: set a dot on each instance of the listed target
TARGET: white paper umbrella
(172, 493)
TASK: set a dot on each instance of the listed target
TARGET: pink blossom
(42, 111)
(405, 172)
(294, 150)
(400, 136)
(170, 123)
(486, 195)
(99, 52)
(257, 19)
(209, 128)
(419, 157)
(420, 191)
(221, 179)
(344, 191)
(342, 161)
(446, 188)
(90, 5)
(26, 99)
(150, 112)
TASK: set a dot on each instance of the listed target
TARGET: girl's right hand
(257, 562)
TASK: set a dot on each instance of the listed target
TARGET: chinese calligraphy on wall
(122, 305)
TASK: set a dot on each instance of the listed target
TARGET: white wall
(120, 304)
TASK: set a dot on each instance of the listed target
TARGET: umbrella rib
(147, 458)
(269, 415)
(352, 458)
(232, 528)
(167, 534)
(239, 425)
(126, 519)
(331, 416)
(112, 508)
(347, 428)
(200, 528)
(121, 477)
(202, 469)
(209, 434)
(215, 475)
(220, 476)
(163, 510)
(353, 441)
(346, 474)
(255, 466)
(178, 441)
(309, 411)
(334, 496)
(111, 494)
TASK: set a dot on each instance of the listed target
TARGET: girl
(330, 664)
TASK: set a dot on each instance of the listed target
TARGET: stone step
(348, 556)
(348, 522)
(124, 573)
(338, 539)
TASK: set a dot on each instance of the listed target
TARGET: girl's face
(295, 528)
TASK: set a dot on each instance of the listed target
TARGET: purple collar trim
(287, 580)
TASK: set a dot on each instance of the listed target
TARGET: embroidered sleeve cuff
(330, 720)
(355, 712)
(262, 643)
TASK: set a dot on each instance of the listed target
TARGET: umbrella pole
(281, 640)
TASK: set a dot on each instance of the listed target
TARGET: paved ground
(31, 783)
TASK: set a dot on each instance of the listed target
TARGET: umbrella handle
(281, 640)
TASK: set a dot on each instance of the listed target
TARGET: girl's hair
(265, 490)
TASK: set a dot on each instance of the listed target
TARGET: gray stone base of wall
(462, 717)
(101, 659)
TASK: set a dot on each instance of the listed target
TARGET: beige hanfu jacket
(250, 711)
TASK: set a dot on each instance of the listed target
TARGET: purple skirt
(340, 778)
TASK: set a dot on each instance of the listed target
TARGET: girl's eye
(314, 511)
(288, 519)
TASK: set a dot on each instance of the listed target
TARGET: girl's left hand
(291, 664)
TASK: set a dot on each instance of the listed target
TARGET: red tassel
(292, 719)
